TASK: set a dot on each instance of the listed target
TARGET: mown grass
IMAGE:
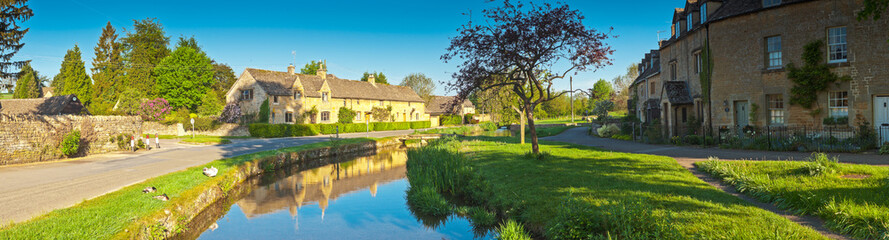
(5, 95)
(107, 216)
(582, 192)
(206, 140)
(201, 136)
(559, 120)
(856, 204)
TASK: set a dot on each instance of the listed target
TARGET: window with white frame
(836, 43)
(325, 116)
(839, 104)
(325, 96)
(358, 115)
(689, 20)
(703, 13)
(773, 52)
(776, 109)
(769, 3)
(698, 62)
(296, 95)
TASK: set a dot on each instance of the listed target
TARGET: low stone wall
(227, 129)
(182, 211)
(36, 138)
(517, 127)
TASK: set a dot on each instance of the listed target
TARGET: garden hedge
(447, 120)
(264, 130)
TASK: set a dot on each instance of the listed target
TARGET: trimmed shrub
(421, 125)
(346, 115)
(71, 143)
(204, 124)
(343, 128)
(608, 130)
(450, 120)
(389, 126)
(264, 130)
(694, 139)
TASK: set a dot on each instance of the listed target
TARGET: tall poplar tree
(13, 13)
(144, 48)
(74, 78)
(28, 84)
(107, 71)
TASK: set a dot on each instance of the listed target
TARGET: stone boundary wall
(227, 129)
(517, 127)
(36, 138)
(181, 212)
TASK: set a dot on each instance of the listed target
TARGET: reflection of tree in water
(296, 188)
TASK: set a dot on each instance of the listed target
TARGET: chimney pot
(372, 79)
(291, 69)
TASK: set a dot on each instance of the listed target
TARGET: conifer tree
(74, 78)
(144, 48)
(14, 13)
(28, 84)
(107, 71)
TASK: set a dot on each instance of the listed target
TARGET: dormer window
(689, 22)
(325, 96)
(769, 3)
(703, 13)
(677, 30)
(297, 95)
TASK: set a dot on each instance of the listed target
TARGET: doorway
(741, 114)
(881, 117)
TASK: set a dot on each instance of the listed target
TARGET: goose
(149, 190)
(211, 172)
(162, 197)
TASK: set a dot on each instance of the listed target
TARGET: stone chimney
(322, 69)
(291, 69)
(372, 79)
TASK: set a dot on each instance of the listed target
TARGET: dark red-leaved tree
(525, 48)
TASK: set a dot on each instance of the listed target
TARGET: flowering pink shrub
(154, 110)
(230, 114)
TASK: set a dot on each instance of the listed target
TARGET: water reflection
(357, 199)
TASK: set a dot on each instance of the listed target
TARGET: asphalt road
(27, 191)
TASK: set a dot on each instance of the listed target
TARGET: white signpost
(192, 128)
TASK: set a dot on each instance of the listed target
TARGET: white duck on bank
(211, 172)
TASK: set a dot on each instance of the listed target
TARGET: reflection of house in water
(325, 183)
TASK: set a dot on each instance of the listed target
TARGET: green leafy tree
(14, 13)
(210, 104)
(223, 79)
(189, 42)
(107, 71)
(311, 68)
(378, 77)
(74, 77)
(346, 115)
(602, 90)
(421, 84)
(27, 85)
(58, 82)
(145, 47)
(130, 100)
(622, 84)
(184, 77)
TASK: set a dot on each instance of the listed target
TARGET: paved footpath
(687, 156)
(27, 191)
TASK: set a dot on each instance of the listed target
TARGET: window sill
(838, 64)
(773, 70)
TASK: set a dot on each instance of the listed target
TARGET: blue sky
(393, 37)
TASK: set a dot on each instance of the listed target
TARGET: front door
(881, 117)
(741, 114)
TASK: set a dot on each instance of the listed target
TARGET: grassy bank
(206, 140)
(461, 130)
(109, 215)
(574, 191)
(850, 198)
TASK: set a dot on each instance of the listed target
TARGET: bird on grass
(211, 172)
(162, 197)
(149, 190)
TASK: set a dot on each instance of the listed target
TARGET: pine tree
(107, 71)
(14, 13)
(144, 49)
(28, 84)
(74, 77)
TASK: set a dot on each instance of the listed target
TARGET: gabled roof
(279, 84)
(677, 93)
(445, 104)
(56, 105)
(654, 68)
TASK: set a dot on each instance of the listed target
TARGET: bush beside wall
(264, 130)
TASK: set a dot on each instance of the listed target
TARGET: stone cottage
(443, 105)
(300, 98)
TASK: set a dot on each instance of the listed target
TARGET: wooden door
(742, 114)
(881, 117)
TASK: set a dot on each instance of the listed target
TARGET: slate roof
(677, 93)
(278, 84)
(653, 103)
(56, 105)
(444, 104)
(655, 67)
(731, 8)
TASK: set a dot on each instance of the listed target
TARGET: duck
(162, 197)
(149, 190)
(211, 172)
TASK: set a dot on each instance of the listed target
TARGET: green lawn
(582, 192)
(852, 199)
(559, 121)
(201, 136)
(206, 140)
(5, 95)
(107, 216)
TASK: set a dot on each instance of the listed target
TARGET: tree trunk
(529, 113)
